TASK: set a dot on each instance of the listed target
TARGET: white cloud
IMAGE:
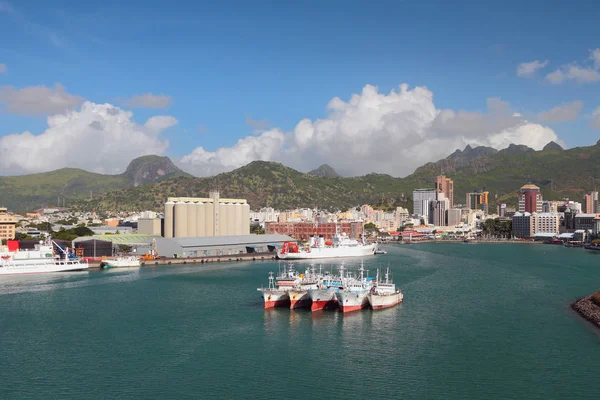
(38, 100)
(595, 121)
(375, 132)
(148, 100)
(527, 69)
(98, 137)
(564, 112)
(3, 69)
(577, 73)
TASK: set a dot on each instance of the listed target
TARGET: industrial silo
(238, 218)
(245, 219)
(180, 218)
(223, 219)
(209, 219)
(200, 219)
(191, 220)
(169, 219)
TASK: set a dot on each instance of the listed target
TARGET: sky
(379, 86)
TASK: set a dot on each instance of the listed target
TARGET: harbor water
(478, 321)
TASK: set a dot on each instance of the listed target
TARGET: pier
(267, 256)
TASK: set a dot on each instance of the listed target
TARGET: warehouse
(219, 245)
(97, 246)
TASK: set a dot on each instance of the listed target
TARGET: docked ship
(46, 257)
(339, 246)
(299, 296)
(277, 293)
(353, 296)
(324, 295)
(121, 262)
(384, 293)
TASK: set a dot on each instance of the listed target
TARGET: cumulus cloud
(595, 121)
(38, 100)
(98, 137)
(3, 69)
(376, 132)
(577, 73)
(148, 100)
(527, 69)
(564, 112)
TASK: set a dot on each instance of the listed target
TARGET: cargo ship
(46, 257)
(339, 246)
(324, 295)
(384, 293)
(354, 294)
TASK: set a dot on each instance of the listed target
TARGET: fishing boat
(384, 293)
(324, 295)
(121, 262)
(353, 296)
(299, 296)
(277, 293)
(47, 256)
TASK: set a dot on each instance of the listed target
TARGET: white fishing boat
(339, 246)
(384, 293)
(324, 295)
(46, 257)
(299, 296)
(121, 262)
(277, 293)
(353, 295)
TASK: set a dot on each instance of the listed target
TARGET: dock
(267, 256)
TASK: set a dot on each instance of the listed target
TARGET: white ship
(277, 293)
(324, 295)
(384, 293)
(121, 262)
(299, 296)
(354, 294)
(41, 259)
(339, 246)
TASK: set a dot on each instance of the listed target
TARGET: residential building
(212, 216)
(438, 207)
(530, 199)
(549, 206)
(522, 225)
(7, 224)
(478, 200)
(421, 199)
(546, 223)
(590, 203)
(401, 215)
(446, 186)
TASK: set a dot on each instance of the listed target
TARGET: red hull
(319, 305)
(278, 303)
(346, 309)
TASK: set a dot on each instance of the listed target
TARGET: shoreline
(586, 308)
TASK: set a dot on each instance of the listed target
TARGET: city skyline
(127, 80)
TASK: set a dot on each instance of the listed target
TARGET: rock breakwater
(588, 309)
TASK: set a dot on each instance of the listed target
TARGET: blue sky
(224, 64)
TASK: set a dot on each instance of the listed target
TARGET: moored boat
(384, 293)
(277, 293)
(121, 262)
(299, 296)
(353, 295)
(324, 295)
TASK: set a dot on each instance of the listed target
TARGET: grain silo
(200, 219)
(231, 229)
(245, 219)
(238, 209)
(223, 220)
(209, 218)
(169, 219)
(180, 217)
(191, 220)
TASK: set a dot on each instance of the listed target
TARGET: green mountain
(324, 171)
(28, 192)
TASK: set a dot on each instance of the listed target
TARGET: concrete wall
(149, 226)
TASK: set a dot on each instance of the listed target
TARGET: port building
(7, 224)
(219, 245)
(187, 217)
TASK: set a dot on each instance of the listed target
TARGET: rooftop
(530, 186)
(230, 240)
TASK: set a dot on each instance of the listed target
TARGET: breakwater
(588, 309)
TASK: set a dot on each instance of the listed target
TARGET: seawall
(588, 310)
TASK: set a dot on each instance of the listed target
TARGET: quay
(266, 256)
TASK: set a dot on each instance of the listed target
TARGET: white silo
(231, 229)
(180, 217)
(168, 222)
(245, 219)
(200, 220)
(209, 219)
(238, 219)
(191, 220)
(223, 219)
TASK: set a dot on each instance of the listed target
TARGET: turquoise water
(479, 321)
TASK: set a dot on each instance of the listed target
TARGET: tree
(256, 229)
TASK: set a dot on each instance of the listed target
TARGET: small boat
(384, 293)
(380, 251)
(121, 262)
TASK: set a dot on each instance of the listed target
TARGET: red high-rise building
(530, 199)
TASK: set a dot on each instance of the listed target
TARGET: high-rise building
(421, 199)
(590, 203)
(530, 199)
(446, 186)
(522, 225)
(437, 211)
(546, 223)
(478, 200)
(7, 224)
(453, 217)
